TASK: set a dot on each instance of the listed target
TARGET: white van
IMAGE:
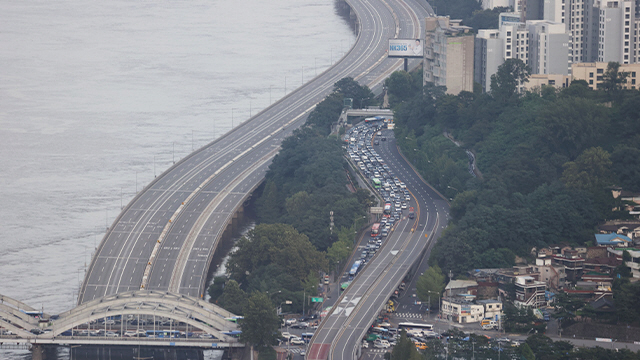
(381, 344)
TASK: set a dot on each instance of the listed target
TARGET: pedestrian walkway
(408, 315)
(376, 350)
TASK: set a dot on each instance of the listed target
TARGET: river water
(96, 97)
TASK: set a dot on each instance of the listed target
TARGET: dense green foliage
(547, 159)
(306, 181)
(405, 349)
(470, 12)
(430, 285)
(284, 255)
(261, 323)
(274, 258)
(329, 109)
(537, 347)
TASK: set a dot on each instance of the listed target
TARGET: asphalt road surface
(340, 334)
(165, 237)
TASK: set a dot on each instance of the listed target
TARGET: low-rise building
(572, 263)
(593, 73)
(462, 310)
(553, 275)
(492, 308)
(460, 287)
(616, 240)
(634, 263)
(529, 293)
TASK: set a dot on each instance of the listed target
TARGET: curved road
(165, 237)
(340, 335)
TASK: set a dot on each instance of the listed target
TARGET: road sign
(316, 299)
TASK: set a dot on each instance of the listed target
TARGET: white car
(290, 321)
(365, 344)
(296, 341)
(404, 205)
(287, 336)
(381, 344)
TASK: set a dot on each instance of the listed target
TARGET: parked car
(287, 336)
(381, 344)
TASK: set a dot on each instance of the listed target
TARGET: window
(600, 71)
(590, 74)
(590, 82)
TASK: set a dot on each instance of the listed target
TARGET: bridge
(203, 324)
(154, 259)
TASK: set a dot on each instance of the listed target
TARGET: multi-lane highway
(165, 237)
(340, 335)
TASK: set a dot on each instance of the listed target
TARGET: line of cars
(382, 178)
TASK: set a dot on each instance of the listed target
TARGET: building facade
(448, 54)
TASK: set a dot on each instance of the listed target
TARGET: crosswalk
(375, 350)
(295, 350)
(408, 315)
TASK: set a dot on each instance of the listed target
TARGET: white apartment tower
(617, 32)
(488, 54)
(549, 48)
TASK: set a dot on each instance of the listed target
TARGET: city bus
(376, 183)
(414, 326)
(355, 268)
(375, 229)
(163, 334)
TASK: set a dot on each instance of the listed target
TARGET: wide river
(98, 97)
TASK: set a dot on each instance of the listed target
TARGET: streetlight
(452, 188)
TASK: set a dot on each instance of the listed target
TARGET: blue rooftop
(611, 239)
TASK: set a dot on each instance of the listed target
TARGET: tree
(233, 298)
(526, 352)
(431, 282)
(277, 244)
(405, 349)
(613, 80)
(260, 324)
(361, 94)
(506, 81)
(591, 171)
(217, 288)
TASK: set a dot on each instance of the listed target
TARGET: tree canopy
(546, 161)
(260, 323)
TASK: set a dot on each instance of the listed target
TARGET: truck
(412, 214)
(387, 208)
(488, 324)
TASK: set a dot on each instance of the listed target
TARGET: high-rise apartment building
(549, 47)
(617, 32)
(448, 54)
